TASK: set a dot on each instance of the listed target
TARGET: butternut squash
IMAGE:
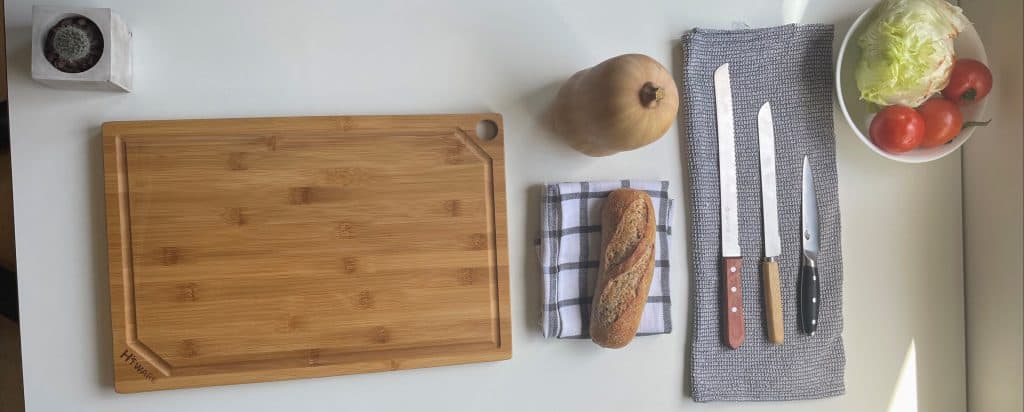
(621, 104)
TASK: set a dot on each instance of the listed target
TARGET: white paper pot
(113, 70)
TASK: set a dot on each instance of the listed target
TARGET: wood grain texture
(772, 301)
(12, 391)
(8, 257)
(733, 333)
(246, 250)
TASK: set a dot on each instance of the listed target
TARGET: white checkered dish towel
(569, 245)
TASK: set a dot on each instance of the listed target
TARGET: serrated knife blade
(732, 262)
(770, 217)
(727, 162)
(769, 198)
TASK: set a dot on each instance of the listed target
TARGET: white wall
(993, 212)
(245, 58)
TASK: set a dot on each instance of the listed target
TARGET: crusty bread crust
(626, 267)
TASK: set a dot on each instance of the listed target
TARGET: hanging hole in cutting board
(486, 129)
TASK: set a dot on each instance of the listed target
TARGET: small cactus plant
(74, 44)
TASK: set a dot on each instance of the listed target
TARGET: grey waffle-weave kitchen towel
(791, 67)
(569, 246)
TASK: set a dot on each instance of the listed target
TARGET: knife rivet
(733, 309)
(733, 289)
(732, 269)
(814, 300)
(814, 321)
(814, 278)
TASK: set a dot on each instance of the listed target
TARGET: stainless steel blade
(810, 213)
(727, 163)
(769, 198)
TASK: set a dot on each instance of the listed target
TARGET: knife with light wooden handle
(773, 300)
(732, 260)
(770, 215)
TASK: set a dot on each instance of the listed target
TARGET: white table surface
(202, 59)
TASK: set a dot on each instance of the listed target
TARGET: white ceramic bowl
(967, 45)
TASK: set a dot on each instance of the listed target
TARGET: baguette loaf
(626, 267)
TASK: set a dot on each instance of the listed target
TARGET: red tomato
(942, 121)
(969, 82)
(897, 129)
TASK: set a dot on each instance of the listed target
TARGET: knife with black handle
(810, 290)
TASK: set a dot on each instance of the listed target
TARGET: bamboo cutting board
(246, 250)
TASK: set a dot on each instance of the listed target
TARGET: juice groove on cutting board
(246, 250)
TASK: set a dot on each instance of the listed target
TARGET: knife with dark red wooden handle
(732, 301)
(732, 259)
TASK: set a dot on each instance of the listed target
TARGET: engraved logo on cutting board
(139, 368)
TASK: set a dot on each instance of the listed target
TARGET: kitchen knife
(810, 291)
(770, 215)
(732, 262)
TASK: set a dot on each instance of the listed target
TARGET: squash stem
(651, 94)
